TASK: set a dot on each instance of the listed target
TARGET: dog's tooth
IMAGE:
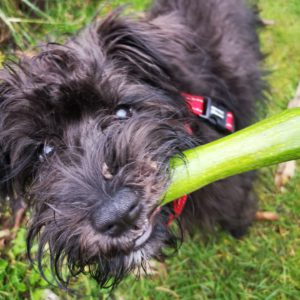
(144, 237)
(105, 172)
(154, 165)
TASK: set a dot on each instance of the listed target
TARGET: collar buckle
(206, 108)
(218, 116)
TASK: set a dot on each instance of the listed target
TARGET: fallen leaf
(283, 232)
(286, 170)
(284, 173)
(268, 22)
(4, 233)
(266, 216)
(296, 101)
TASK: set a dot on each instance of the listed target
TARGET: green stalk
(269, 142)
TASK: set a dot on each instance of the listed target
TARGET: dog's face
(87, 130)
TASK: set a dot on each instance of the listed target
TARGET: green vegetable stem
(271, 141)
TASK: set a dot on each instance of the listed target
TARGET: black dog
(87, 130)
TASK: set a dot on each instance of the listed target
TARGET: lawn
(263, 265)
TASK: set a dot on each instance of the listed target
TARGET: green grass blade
(35, 9)
(6, 21)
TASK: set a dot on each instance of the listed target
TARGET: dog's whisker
(54, 208)
(106, 112)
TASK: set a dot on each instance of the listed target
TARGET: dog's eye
(45, 151)
(123, 112)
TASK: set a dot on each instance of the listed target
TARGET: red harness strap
(178, 206)
(205, 108)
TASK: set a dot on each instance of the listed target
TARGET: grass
(32, 21)
(265, 264)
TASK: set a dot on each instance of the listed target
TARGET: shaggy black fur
(87, 130)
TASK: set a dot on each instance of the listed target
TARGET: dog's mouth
(144, 237)
(146, 230)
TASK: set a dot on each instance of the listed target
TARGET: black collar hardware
(206, 108)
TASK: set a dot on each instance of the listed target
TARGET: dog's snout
(118, 215)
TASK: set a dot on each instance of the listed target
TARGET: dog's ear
(2, 174)
(5, 187)
(144, 48)
(16, 146)
(5, 182)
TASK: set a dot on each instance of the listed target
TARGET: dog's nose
(118, 214)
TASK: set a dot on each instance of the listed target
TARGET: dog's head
(86, 133)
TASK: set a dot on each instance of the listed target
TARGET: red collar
(222, 119)
(209, 110)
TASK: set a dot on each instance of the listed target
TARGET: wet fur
(67, 96)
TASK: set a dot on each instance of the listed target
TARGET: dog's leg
(238, 225)
(229, 203)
